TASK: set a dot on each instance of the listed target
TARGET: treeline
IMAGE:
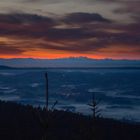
(18, 122)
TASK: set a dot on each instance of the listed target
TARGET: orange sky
(47, 55)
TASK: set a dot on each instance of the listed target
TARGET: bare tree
(47, 94)
(94, 106)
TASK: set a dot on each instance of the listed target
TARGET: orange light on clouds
(42, 54)
(37, 52)
(120, 51)
(56, 55)
(31, 48)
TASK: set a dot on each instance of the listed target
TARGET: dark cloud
(68, 34)
(25, 25)
(83, 41)
(16, 18)
(43, 33)
(39, 26)
(8, 49)
(79, 18)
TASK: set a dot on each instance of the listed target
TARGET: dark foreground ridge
(18, 122)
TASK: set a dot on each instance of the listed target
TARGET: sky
(52, 29)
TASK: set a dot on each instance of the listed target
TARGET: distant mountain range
(74, 62)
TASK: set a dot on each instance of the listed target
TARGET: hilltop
(18, 122)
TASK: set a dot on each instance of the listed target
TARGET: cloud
(131, 8)
(78, 18)
(5, 49)
(47, 1)
(24, 33)
(68, 34)
(22, 18)
(41, 26)
(24, 25)
(59, 7)
(128, 7)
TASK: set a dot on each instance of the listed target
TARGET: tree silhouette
(47, 94)
(94, 106)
